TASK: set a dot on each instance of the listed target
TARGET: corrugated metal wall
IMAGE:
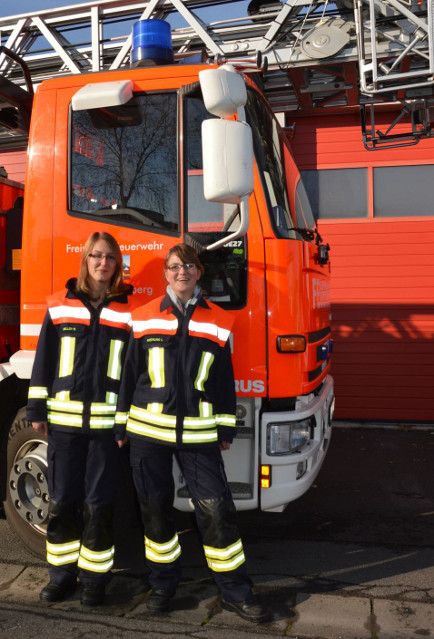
(15, 164)
(382, 280)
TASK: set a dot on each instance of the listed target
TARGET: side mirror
(227, 145)
(227, 152)
(223, 90)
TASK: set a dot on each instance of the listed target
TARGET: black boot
(93, 595)
(55, 592)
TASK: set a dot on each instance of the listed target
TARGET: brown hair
(186, 254)
(117, 285)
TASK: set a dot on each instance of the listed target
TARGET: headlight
(289, 437)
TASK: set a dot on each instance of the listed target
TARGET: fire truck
(158, 145)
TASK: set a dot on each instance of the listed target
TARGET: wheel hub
(28, 485)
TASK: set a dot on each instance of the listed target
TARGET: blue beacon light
(152, 43)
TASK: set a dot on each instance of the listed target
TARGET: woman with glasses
(72, 398)
(178, 398)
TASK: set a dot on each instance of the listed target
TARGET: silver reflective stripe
(69, 312)
(222, 334)
(155, 324)
(117, 317)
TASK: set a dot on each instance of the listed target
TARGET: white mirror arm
(242, 229)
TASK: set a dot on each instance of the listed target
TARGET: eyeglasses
(177, 267)
(98, 257)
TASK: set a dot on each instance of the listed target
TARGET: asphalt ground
(351, 559)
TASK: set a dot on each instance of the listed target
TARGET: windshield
(123, 163)
(269, 157)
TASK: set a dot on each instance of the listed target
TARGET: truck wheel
(27, 497)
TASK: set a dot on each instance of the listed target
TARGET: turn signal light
(265, 477)
(291, 343)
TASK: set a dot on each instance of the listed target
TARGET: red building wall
(382, 279)
(14, 162)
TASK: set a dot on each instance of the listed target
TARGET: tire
(27, 498)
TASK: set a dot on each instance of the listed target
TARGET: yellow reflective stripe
(121, 418)
(205, 364)
(162, 553)
(65, 420)
(104, 408)
(114, 364)
(205, 409)
(155, 408)
(92, 567)
(111, 398)
(70, 413)
(66, 365)
(154, 432)
(160, 426)
(154, 418)
(191, 438)
(156, 367)
(63, 396)
(96, 561)
(102, 422)
(193, 423)
(61, 561)
(225, 559)
(169, 421)
(61, 554)
(170, 436)
(65, 405)
(58, 549)
(38, 392)
(97, 555)
(226, 420)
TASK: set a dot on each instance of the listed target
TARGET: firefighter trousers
(82, 480)
(205, 476)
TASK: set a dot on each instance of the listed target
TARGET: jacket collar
(166, 303)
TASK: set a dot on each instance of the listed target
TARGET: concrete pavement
(352, 559)
(315, 590)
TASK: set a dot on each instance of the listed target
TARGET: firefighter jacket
(77, 369)
(178, 386)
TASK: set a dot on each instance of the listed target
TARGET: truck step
(240, 490)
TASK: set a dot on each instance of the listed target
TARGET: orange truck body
(287, 292)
